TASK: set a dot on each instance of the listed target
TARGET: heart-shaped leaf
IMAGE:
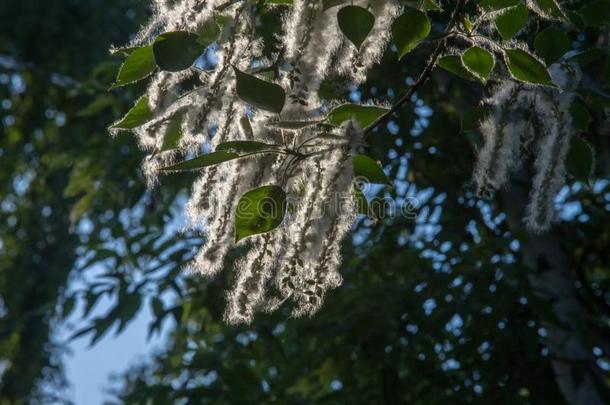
(139, 64)
(368, 170)
(356, 23)
(511, 21)
(259, 93)
(527, 68)
(409, 30)
(177, 50)
(551, 44)
(259, 210)
(364, 115)
(453, 64)
(479, 62)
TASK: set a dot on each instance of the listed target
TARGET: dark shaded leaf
(259, 93)
(526, 67)
(176, 51)
(551, 44)
(356, 23)
(202, 161)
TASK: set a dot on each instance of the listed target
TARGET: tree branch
(423, 77)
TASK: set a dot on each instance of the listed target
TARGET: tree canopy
(399, 201)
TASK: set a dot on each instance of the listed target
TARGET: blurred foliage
(432, 310)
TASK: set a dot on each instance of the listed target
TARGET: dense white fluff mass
(299, 261)
(522, 115)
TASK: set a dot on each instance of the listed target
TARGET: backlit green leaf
(176, 51)
(549, 8)
(202, 161)
(551, 44)
(511, 21)
(409, 30)
(356, 23)
(245, 146)
(139, 64)
(479, 62)
(368, 170)
(453, 64)
(138, 115)
(173, 133)
(260, 210)
(364, 115)
(259, 93)
(527, 68)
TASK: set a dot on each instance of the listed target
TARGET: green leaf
(173, 133)
(244, 146)
(409, 30)
(431, 5)
(511, 21)
(494, 5)
(138, 65)
(551, 44)
(356, 23)
(326, 4)
(479, 62)
(580, 159)
(549, 8)
(596, 13)
(202, 161)
(138, 115)
(364, 115)
(581, 118)
(259, 93)
(177, 50)
(369, 170)
(472, 118)
(260, 210)
(453, 64)
(527, 68)
(209, 33)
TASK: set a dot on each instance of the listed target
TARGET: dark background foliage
(437, 309)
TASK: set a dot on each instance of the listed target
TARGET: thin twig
(422, 79)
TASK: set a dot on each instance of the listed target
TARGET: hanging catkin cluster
(282, 138)
(299, 260)
(529, 120)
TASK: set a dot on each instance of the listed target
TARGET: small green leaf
(138, 65)
(409, 30)
(580, 159)
(138, 115)
(453, 64)
(527, 68)
(176, 51)
(173, 133)
(549, 8)
(479, 62)
(356, 23)
(581, 118)
(596, 13)
(472, 118)
(431, 5)
(260, 210)
(369, 170)
(209, 33)
(364, 115)
(551, 44)
(259, 93)
(202, 161)
(245, 147)
(511, 21)
(494, 5)
(246, 126)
